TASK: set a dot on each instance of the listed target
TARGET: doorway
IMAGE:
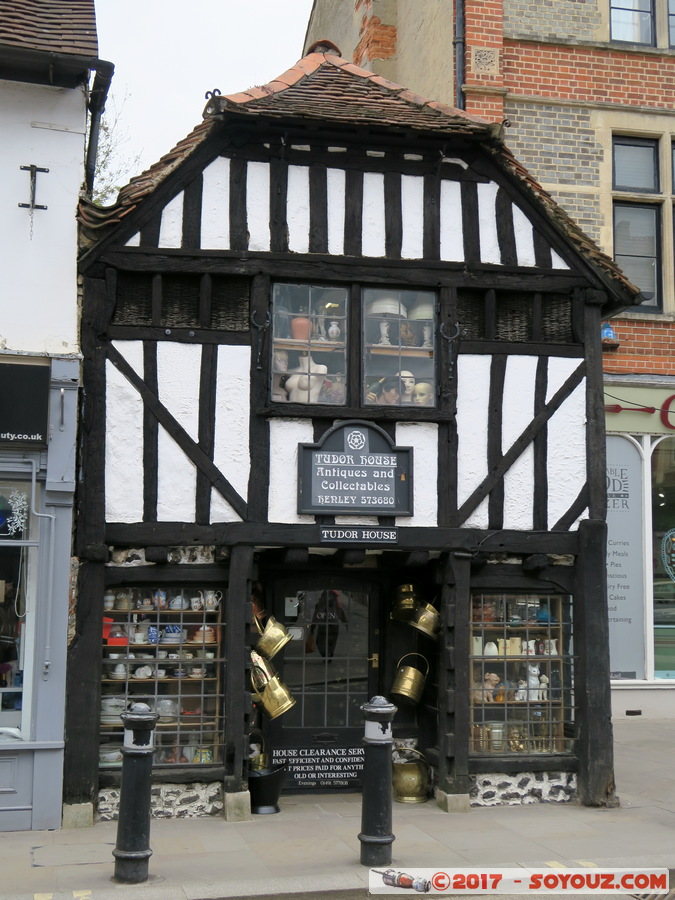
(331, 666)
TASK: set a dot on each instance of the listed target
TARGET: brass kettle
(269, 690)
(259, 762)
(405, 602)
(409, 681)
(411, 778)
(426, 620)
(272, 638)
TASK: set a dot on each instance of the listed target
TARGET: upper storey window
(632, 21)
(638, 211)
(326, 352)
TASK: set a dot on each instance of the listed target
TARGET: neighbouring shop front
(37, 483)
(342, 438)
(640, 560)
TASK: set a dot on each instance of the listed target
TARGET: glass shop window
(399, 347)
(309, 338)
(18, 578)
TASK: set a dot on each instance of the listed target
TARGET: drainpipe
(99, 94)
(459, 44)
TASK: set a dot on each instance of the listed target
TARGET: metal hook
(450, 337)
(261, 329)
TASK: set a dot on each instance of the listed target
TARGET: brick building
(587, 90)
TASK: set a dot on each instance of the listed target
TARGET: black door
(331, 666)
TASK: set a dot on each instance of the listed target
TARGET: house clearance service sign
(355, 469)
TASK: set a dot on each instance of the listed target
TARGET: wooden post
(592, 688)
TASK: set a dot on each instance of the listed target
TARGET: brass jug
(409, 681)
(269, 689)
(258, 762)
(426, 620)
(272, 638)
(411, 779)
(405, 602)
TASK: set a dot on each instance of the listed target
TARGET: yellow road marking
(81, 894)
(43, 896)
(554, 864)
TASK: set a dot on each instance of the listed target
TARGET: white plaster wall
(231, 446)
(40, 126)
(566, 464)
(412, 216)
(215, 225)
(178, 371)
(171, 226)
(258, 205)
(373, 214)
(423, 438)
(285, 435)
(298, 209)
(335, 190)
(473, 391)
(524, 235)
(487, 223)
(518, 412)
(452, 235)
(124, 440)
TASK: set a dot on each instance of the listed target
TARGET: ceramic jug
(477, 646)
(490, 649)
(551, 647)
(211, 599)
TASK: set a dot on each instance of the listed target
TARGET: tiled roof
(57, 26)
(323, 87)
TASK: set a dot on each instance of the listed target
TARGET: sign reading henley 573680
(355, 468)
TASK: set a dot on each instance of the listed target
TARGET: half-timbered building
(342, 378)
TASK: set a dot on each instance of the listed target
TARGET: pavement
(311, 847)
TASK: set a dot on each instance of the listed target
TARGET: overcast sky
(168, 53)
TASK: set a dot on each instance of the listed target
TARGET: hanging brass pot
(426, 620)
(272, 638)
(409, 681)
(269, 690)
(405, 602)
(411, 779)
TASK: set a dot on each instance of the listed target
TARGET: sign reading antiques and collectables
(355, 468)
(24, 403)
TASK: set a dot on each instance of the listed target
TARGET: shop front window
(663, 543)
(311, 356)
(18, 576)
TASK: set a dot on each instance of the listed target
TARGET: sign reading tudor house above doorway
(355, 468)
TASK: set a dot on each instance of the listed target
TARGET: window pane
(635, 166)
(636, 248)
(309, 344)
(632, 21)
(663, 535)
(399, 335)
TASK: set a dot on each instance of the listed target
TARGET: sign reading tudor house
(355, 469)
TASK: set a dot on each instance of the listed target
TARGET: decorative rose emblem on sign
(668, 553)
(356, 440)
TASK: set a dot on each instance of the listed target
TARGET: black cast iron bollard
(376, 800)
(132, 852)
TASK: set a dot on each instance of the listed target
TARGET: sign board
(357, 534)
(24, 404)
(320, 768)
(625, 559)
(355, 468)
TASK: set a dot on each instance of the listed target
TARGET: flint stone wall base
(169, 801)
(499, 789)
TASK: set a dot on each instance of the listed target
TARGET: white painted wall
(42, 126)
(124, 439)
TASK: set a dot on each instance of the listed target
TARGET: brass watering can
(269, 689)
(409, 681)
(405, 602)
(411, 778)
(272, 638)
(426, 620)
